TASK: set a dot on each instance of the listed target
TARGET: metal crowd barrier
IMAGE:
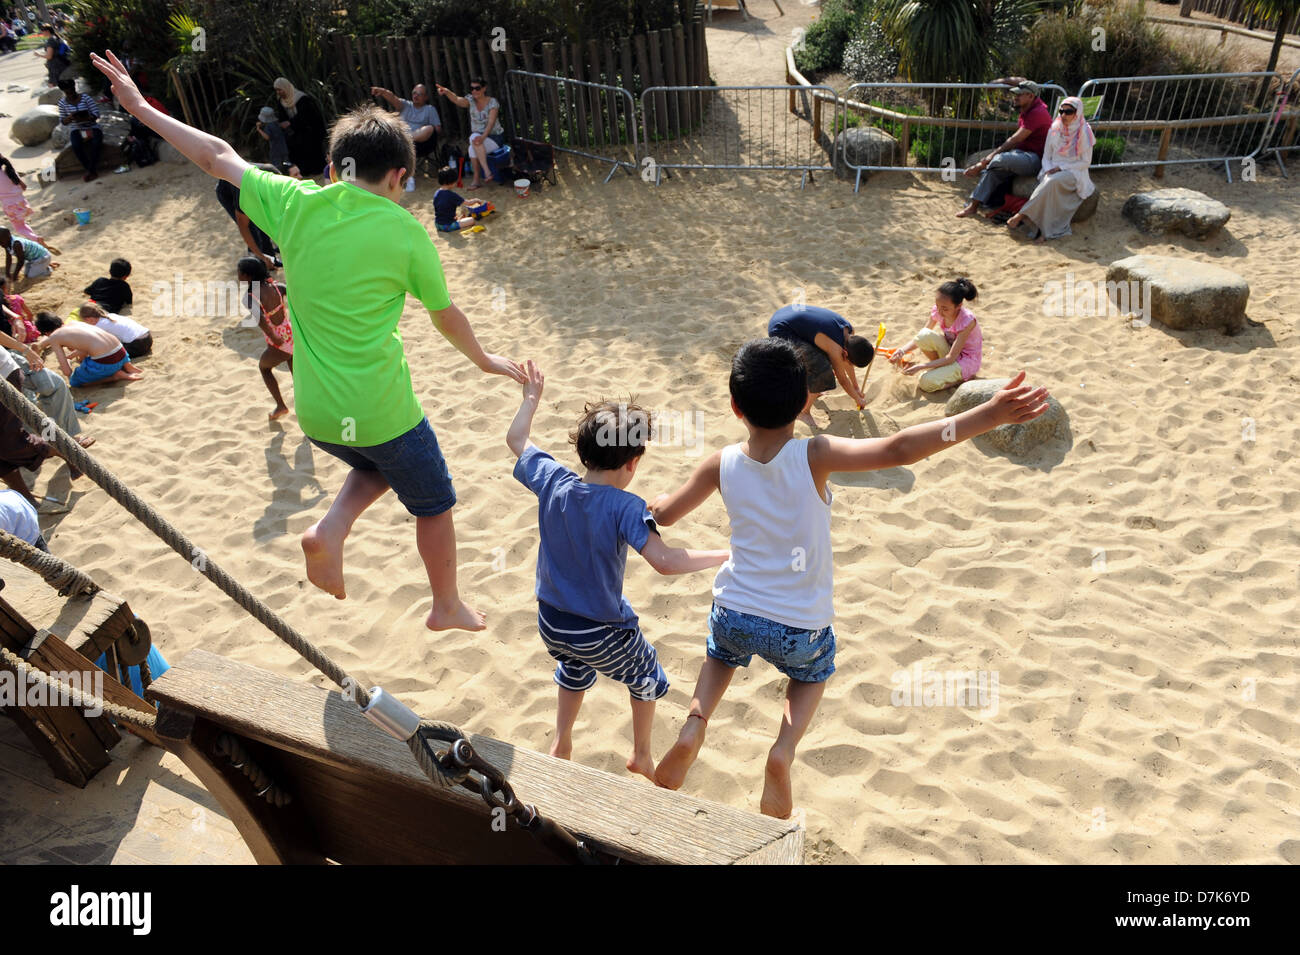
(737, 127)
(940, 124)
(1196, 118)
(574, 116)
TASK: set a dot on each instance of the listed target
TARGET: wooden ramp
(334, 788)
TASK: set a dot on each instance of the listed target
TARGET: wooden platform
(357, 795)
(88, 624)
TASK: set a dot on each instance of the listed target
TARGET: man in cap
(1020, 155)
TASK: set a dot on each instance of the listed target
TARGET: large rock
(1182, 210)
(1017, 440)
(116, 127)
(865, 146)
(169, 153)
(50, 97)
(1023, 187)
(1183, 293)
(34, 126)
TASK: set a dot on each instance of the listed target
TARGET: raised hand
(535, 382)
(496, 365)
(1017, 401)
(124, 88)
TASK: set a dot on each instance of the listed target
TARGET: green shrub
(824, 42)
(1107, 150)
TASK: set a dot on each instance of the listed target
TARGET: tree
(963, 40)
(1285, 11)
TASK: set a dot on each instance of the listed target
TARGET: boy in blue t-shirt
(585, 525)
(446, 205)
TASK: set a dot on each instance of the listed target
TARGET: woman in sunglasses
(484, 124)
(1063, 182)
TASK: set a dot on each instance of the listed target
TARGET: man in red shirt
(1020, 155)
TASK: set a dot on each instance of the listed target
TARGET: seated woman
(1063, 182)
(301, 117)
(484, 124)
(827, 349)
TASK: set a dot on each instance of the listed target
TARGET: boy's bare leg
(436, 539)
(714, 679)
(322, 543)
(120, 375)
(643, 723)
(806, 415)
(801, 700)
(566, 713)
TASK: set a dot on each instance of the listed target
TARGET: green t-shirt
(350, 258)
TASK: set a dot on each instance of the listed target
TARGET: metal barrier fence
(1284, 134)
(574, 116)
(1170, 120)
(938, 124)
(737, 127)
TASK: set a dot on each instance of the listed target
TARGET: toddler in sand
(585, 525)
(352, 255)
(951, 340)
(775, 596)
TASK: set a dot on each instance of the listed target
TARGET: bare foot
(460, 617)
(969, 211)
(672, 769)
(324, 555)
(642, 765)
(991, 213)
(279, 412)
(1015, 221)
(562, 749)
(777, 800)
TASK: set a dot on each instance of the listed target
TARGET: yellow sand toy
(880, 337)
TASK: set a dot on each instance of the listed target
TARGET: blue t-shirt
(585, 530)
(445, 203)
(803, 322)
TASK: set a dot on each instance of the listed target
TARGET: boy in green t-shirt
(352, 385)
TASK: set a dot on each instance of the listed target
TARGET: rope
(55, 571)
(77, 457)
(80, 699)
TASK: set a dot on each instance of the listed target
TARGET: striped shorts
(582, 648)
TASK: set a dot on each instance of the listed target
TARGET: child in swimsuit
(266, 299)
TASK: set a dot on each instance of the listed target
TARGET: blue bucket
(83, 216)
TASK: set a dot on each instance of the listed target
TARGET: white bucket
(521, 188)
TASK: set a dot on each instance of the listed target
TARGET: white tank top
(781, 565)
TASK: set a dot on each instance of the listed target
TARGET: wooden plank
(98, 620)
(627, 817)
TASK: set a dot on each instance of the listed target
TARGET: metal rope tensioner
(402, 723)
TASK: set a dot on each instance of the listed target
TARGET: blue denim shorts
(413, 465)
(804, 655)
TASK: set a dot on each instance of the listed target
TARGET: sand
(1147, 693)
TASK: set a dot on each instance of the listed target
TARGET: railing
(735, 127)
(938, 124)
(1284, 135)
(574, 117)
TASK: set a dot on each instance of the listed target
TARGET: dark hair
(768, 382)
(610, 434)
(446, 176)
(473, 80)
(253, 267)
(119, 268)
(958, 291)
(8, 167)
(68, 86)
(860, 350)
(376, 142)
(47, 322)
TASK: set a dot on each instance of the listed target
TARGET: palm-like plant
(1285, 11)
(963, 40)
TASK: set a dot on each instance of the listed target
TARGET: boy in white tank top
(774, 597)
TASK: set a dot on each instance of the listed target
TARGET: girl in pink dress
(13, 204)
(266, 299)
(951, 340)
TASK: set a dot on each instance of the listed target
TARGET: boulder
(50, 97)
(1176, 210)
(1023, 187)
(1017, 440)
(1183, 293)
(169, 153)
(34, 126)
(865, 146)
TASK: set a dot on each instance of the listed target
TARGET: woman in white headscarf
(300, 115)
(1063, 181)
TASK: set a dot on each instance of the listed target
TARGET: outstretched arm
(517, 436)
(679, 560)
(388, 96)
(1016, 402)
(214, 156)
(453, 324)
(668, 509)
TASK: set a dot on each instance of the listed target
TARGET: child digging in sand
(951, 339)
(353, 392)
(774, 597)
(585, 525)
(103, 357)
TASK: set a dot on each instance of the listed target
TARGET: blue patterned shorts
(804, 655)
